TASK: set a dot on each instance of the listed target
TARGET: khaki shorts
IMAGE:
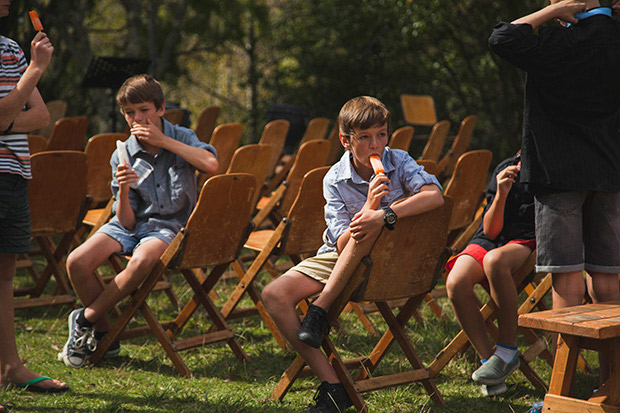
(318, 267)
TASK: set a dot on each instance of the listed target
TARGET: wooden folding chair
(459, 146)
(404, 263)
(225, 140)
(57, 110)
(58, 202)
(99, 150)
(36, 143)
(174, 116)
(429, 166)
(401, 138)
(336, 149)
(252, 159)
(69, 134)
(213, 237)
(299, 233)
(312, 154)
(206, 122)
(316, 129)
(436, 140)
(274, 134)
(418, 109)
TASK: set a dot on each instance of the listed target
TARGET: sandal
(31, 386)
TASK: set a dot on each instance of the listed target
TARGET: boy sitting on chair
(147, 217)
(359, 204)
(501, 245)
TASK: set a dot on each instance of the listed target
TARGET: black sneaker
(113, 351)
(331, 398)
(313, 326)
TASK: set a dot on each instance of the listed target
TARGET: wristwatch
(389, 217)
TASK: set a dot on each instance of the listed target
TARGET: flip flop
(30, 386)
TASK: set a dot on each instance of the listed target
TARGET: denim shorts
(578, 230)
(131, 239)
(14, 214)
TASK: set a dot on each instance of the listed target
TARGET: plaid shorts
(14, 215)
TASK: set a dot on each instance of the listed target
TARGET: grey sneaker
(493, 389)
(76, 351)
(495, 371)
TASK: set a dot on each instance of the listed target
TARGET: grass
(142, 379)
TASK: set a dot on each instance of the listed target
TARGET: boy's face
(138, 113)
(365, 142)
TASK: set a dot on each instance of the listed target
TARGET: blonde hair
(363, 112)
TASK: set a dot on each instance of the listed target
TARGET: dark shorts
(14, 214)
(578, 230)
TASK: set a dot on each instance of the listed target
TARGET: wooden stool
(590, 326)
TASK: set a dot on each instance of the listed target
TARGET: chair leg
(344, 375)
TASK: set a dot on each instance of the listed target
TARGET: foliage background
(246, 55)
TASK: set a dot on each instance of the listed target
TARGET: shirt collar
(346, 170)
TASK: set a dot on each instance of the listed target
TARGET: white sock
(505, 352)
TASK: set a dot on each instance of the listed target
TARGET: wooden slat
(43, 301)
(204, 339)
(392, 380)
(561, 404)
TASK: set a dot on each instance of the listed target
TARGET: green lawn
(142, 379)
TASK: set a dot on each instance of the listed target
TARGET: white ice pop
(123, 156)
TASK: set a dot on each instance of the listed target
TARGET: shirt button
(157, 185)
(161, 206)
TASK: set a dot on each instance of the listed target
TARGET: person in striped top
(21, 110)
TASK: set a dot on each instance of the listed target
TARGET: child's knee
(272, 296)
(78, 265)
(457, 285)
(141, 264)
(493, 261)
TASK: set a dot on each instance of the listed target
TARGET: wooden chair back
(316, 129)
(419, 109)
(459, 146)
(99, 150)
(226, 139)
(336, 149)
(174, 116)
(405, 260)
(206, 122)
(252, 159)
(57, 191)
(401, 138)
(429, 166)
(218, 225)
(68, 134)
(57, 110)
(274, 135)
(306, 215)
(466, 186)
(312, 154)
(36, 143)
(436, 140)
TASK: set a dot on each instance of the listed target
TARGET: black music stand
(110, 73)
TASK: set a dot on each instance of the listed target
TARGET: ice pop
(36, 22)
(123, 156)
(377, 166)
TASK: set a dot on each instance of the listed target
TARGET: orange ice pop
(36, 22)
(376, 164)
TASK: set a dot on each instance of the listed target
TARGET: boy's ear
(161, 110)
(344, 141)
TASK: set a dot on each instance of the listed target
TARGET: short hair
(139, 89)
(363, 112)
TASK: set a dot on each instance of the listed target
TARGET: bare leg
(603, 287)
(465, 274)
(281, 297)
(12, 371)
(141, 263)
(568, 289)
(348, 260)
(499, 265)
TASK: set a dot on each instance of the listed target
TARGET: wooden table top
(599, 321)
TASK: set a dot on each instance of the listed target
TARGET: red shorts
(478, 252)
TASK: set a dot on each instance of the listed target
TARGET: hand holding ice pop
(36, 22)
(377, 166)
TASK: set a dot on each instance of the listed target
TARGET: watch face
(390, 218)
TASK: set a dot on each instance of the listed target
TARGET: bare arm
(494, 218)
(11, 105)
(201, 159)
(34, 117)
(564, 10)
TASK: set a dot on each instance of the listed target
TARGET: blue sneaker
(77, 349)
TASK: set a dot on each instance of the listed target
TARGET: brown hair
(139, 89)
(363, 112)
